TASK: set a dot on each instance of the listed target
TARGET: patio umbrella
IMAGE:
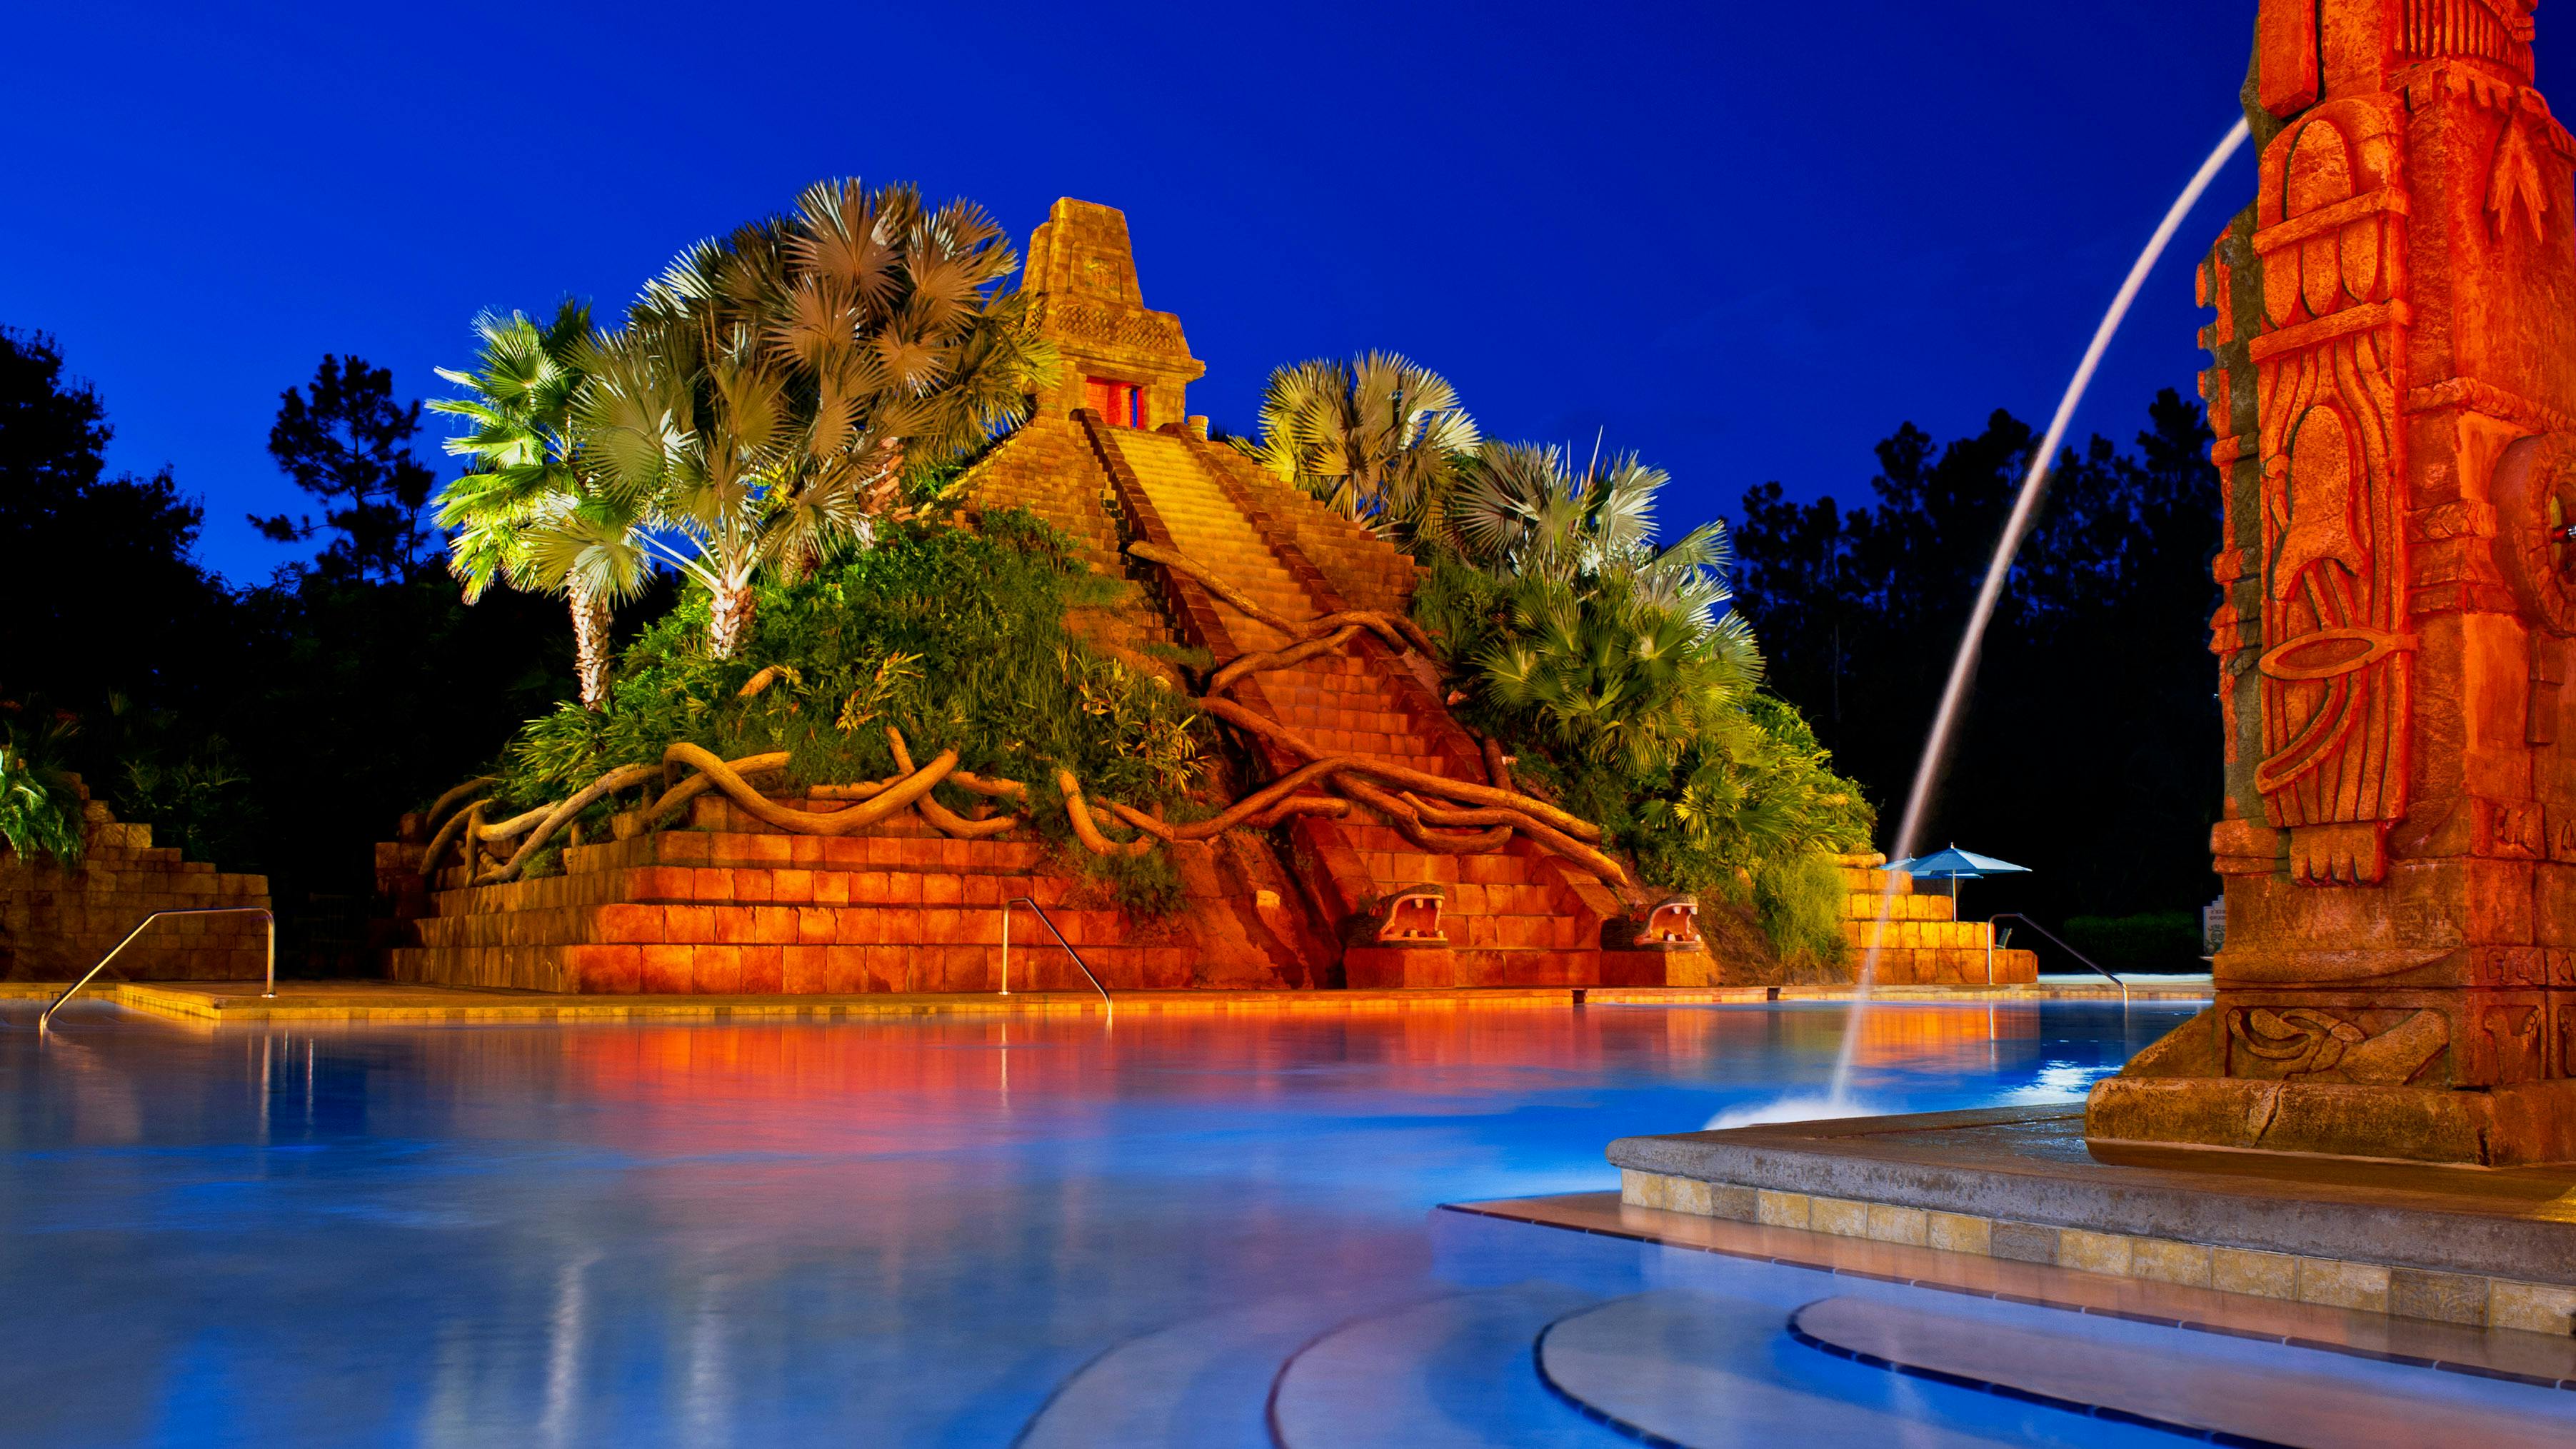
(1955, 865)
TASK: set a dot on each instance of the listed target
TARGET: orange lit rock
(2395, 393)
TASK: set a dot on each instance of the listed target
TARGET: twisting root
(1595, 861)
(1408, 823)
(887, 803)
(608, 784)
(438, 808)
(1275, 659)
(1087, 832)
(862, 790)
(1399, 633)
(1260, 724)
(461, 825)
(995, 787)
(1280, 807)
(948, 822)
(1429, 784)
(1300, 805)
(1250, 607)
(515, 826)
(1248, 808)
(696, 785)
(1498, 770)
(752, 687)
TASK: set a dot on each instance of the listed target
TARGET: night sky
(1745, 240)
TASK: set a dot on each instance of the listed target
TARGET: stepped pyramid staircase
(1513, 917)
(1922, 942)
(733, 905)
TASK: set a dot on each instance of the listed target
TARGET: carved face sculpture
(2535, 498)
(1412, 915)
(1673, 922)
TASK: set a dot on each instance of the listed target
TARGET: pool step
(2196, 1384)
(1445, 1374)
(1172, 1385)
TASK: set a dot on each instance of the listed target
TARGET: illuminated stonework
(2395, 392)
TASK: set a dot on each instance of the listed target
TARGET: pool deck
(2519, 1355)
(393, 1001)
(2471, 1246)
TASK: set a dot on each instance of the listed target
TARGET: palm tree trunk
(729, 621)
(592, 651)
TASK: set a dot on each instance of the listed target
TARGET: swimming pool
(1190, 1229)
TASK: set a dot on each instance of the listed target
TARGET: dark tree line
(2090, 749)
(277, 727)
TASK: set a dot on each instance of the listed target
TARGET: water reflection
(760, 1233)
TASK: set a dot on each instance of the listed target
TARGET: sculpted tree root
(1399, 632)
(1497, 806)
(1433, 812)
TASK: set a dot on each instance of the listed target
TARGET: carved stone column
(2395, 390)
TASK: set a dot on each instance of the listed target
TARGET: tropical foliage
(956, 639)
(1380, 438)
(767, 388)
(1611, 665)
(528, 514)
(40, 811)
(1616, 648)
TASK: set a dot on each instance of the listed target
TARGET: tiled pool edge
(2495, 1353)
(2393, 1289)
(378, 1001)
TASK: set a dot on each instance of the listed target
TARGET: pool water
(1189, 1229)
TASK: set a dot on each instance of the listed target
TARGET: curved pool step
(1450, 1373)
(2187, 1382)
(1201, 1382)
(1705, 1371)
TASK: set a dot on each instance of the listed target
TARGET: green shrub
(957, 639)
(40, 810)
(1715, 787)
(1800, 902)
(2158, 941)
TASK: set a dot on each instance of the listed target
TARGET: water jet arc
(2034, 488)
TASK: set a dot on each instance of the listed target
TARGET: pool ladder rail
(2052, 937)
(1107, 1005)
(45, 1021)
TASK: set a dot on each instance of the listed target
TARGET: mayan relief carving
(2334, 663)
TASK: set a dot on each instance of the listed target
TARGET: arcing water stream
(2034, 488)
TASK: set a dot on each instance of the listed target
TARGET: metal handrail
(43, 1021)
(1110, 1007)
(2061, 945)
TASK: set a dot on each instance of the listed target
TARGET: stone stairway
(729, 905)
(1512, 917)
(1922, 942)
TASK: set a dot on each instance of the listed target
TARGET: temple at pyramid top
(1129, 364)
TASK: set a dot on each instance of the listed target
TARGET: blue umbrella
(1955, 865)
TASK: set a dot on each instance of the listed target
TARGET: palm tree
(1620, 647)
(769, 387)
(1380, 438)
(528, 514)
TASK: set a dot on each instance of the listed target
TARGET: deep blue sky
(1746, 240)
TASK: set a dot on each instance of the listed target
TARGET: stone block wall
(1921, 942)
(56, 923)
(731, 906)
